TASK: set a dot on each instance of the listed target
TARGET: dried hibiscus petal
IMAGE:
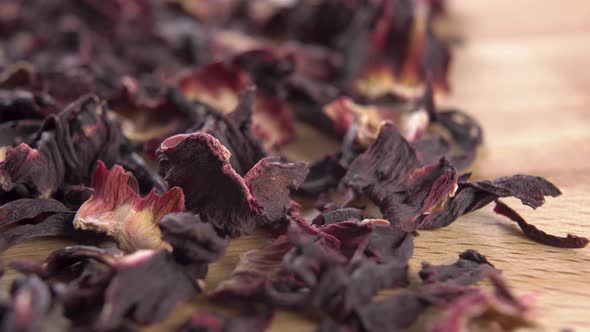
(464, 130)
(473, 195)
(380, 262)
(404, 51)
(391, 174)
(116, 209)
(84, 134)
(339, 290)
(59, 224)
(199, 164)
(532, 232)
(269, 183)
(41, 170)
(195, 243)
(65, 150)
(114, 293)
(164, 285)
(60, 260)
(470, 268)
(13, 133)
(151, 118)
(324, 175)
(25, 208)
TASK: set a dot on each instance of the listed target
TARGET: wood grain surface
(524, 72)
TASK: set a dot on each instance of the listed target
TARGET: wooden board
(524, 73)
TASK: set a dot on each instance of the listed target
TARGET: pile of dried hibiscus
(150, 133)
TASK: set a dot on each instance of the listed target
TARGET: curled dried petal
(117, 210)
(200, 165)
(391, 174)
(195, 243)
(532, 232)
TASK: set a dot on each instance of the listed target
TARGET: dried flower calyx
(116, 209)
(199, 164)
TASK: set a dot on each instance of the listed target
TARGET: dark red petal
(270, 182)
(163, 285)
(59, 224)
(195, 243)
(39, 170)
(473, 195)
(199, 164)
(391, 174)
(532, 232)
(530, 190)
(469, 269)
(25, 209)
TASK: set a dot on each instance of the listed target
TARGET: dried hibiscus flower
(413, 196)
(335, 268)
(532, 232)
(195, 243)
(446, 287)
(470, 268)
(59, 224)
(116, 209)
(65, 149)
(473, 195)
(25, 219)
(199, 164)
(209, 87)
(113, 294)
(391, 173)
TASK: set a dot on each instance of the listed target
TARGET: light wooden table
(524, 72)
